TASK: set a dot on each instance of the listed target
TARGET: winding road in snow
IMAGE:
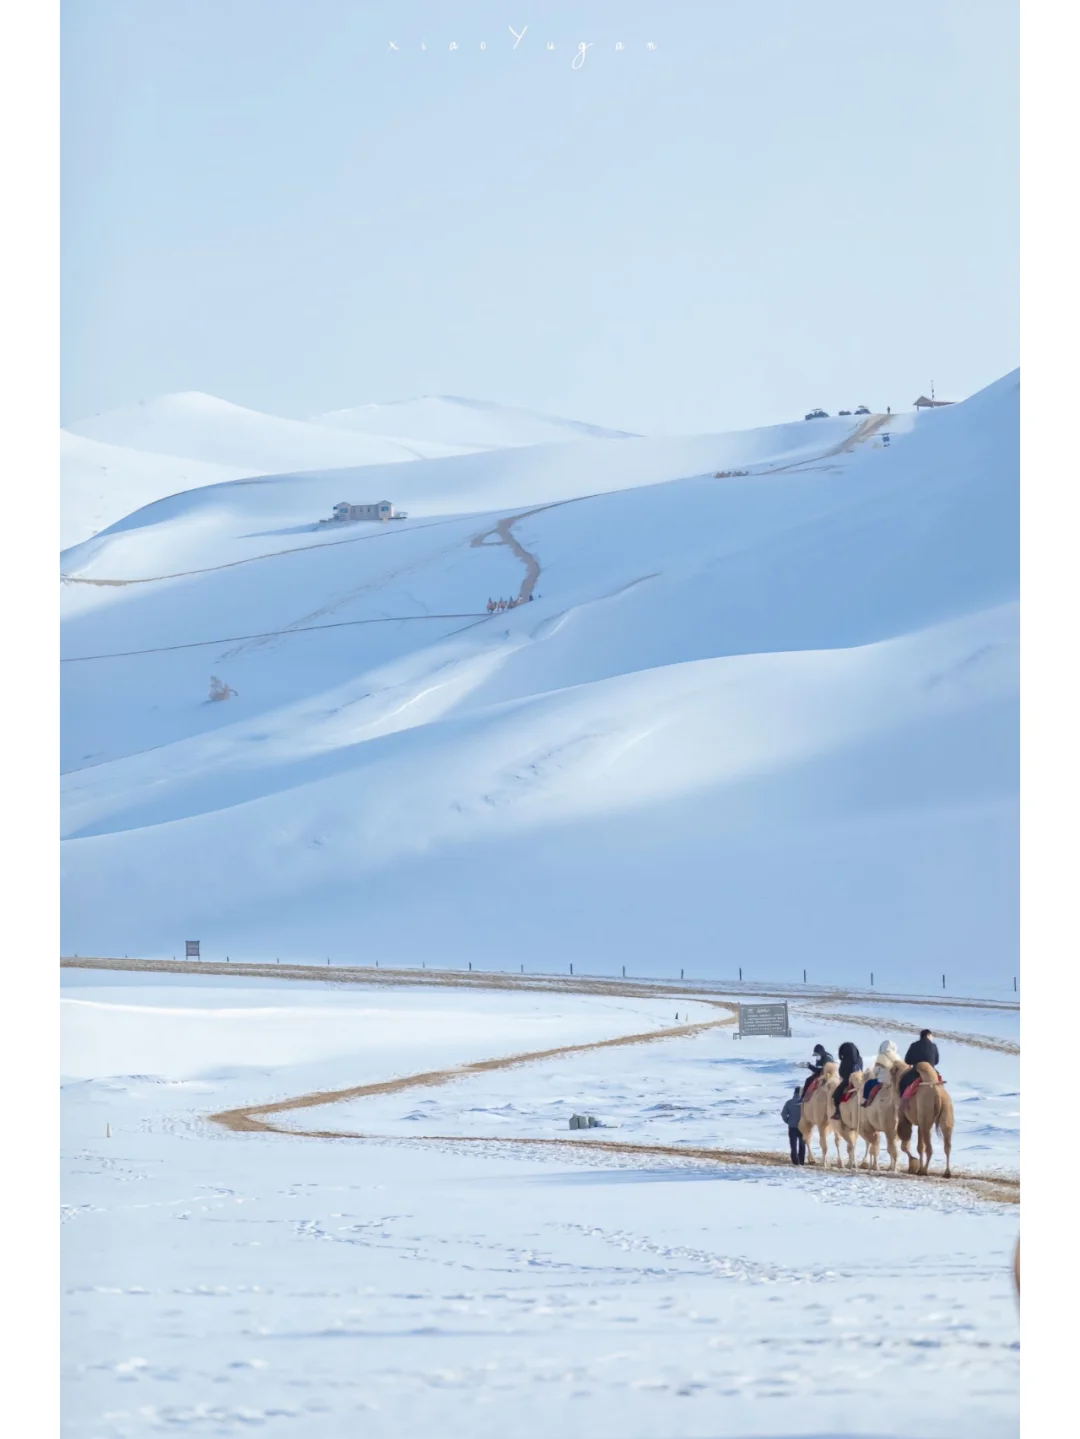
(259, 1118)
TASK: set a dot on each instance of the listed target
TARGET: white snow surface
(766, 722)
(202, 427)
(473, 424)
(120, 461)
(101, 483)
(219, 1283)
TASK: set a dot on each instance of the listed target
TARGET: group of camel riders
(497, 606)
(922, 1050)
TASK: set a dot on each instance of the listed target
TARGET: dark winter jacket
(792, 1112)
(922, 1051)
(850, 1060)
(820, 1061)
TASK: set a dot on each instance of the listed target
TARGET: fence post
(682, 975)
(804, 976)
(571, 969)
(943, 981)
(740, 974)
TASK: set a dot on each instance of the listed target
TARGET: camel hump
(926, 1072)
(830, 1067)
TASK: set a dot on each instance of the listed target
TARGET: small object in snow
(584, 1121)
(219, 690)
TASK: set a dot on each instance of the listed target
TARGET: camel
(931, 1108)
(815, 1113)
(880, 1117)
(848, 1125)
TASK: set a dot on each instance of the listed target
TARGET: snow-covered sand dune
(117, 462)
(765, 722)
(202, 427)
(450, 419)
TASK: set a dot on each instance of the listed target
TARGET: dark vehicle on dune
(817, 415)
(862, 410)
(843, 412)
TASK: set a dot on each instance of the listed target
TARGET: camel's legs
(926, 1148)
(840, 1153)
(823, 1136)
(808, 1140)
(904, 1132)
(946, 1136)
(893, 1147)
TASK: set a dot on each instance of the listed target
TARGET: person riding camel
(887, 1057)
(822, 1057)
(921, 1051)
(850, 1063)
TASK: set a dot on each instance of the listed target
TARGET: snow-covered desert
(492, 814)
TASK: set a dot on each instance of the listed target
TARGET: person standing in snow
(850, 1063)
(791, 1114)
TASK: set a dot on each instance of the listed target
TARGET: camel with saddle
(847, 1126)
(926, 1105)
(880, 1114)
(817, 1107)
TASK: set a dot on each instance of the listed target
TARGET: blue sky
(782, 205)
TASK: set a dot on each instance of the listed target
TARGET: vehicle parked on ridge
(817, 415)
(862, 410)
(843, 412)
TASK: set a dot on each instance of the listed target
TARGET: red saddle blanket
(811, 1085)
(913, 1086)
(871, 1092)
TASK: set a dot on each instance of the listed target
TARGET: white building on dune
(381, 510)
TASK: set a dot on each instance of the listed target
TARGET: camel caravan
(891, 1099)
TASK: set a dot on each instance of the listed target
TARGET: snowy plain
(223, 1283)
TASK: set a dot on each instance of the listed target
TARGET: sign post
(191, 949)
(763, 1019)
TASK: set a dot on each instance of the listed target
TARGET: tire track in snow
(627, 987)
(253, 1117)
(867, 1021)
